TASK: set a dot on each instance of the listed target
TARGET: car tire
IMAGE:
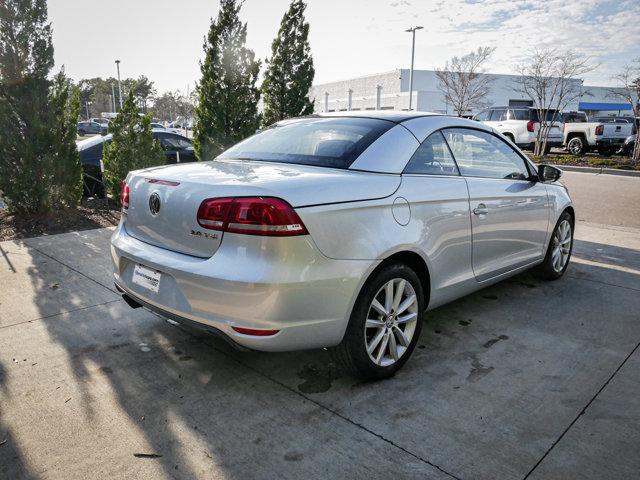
(396, 335)
(556, 260)
(575, 146)
(510, 138)
(82, 133)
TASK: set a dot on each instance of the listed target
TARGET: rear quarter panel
(428, 215)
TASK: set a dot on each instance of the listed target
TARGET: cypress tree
(227, 109)
(290, 71)
(132, 146)
(39, 163)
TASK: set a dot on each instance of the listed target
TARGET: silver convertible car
(339, 231)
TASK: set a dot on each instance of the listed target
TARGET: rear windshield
(324, 142)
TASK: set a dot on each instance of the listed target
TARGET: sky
(163, 39)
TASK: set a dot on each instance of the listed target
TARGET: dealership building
(390, 91)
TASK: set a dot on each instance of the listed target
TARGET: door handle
(481, 209)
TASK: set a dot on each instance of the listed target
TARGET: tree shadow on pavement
(190, 407)
(137, 395)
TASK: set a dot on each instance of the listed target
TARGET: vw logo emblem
(154, 203)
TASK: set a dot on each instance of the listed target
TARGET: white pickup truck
(604, 134)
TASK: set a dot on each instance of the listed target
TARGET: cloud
(400, 3)
(606, 31)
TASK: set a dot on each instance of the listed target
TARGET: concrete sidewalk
(521, 380)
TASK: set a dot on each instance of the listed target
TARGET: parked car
(177, 149)
(579, 136)
(521, 125)
(91, 127)
(339, 231)
(612, 133)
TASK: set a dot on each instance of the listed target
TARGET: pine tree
(132, 146)
(227, 109)
(66, 185)
(39, 163)
(290, 71)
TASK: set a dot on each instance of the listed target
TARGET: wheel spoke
(409, 301)
(407, 318)
(374, 323)
(383, 347)
(402, 338)
(393, 347)
(376, 340)
(379, 308)
(388, 296)
(398, 296)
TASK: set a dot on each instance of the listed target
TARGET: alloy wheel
(561, 246)
(575, 146)
(391, 322)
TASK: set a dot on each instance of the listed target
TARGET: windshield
(325, 142)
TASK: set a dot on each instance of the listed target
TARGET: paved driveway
(521, 380)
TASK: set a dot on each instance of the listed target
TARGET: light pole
(413, 48)
(119, 83)
(113, 99)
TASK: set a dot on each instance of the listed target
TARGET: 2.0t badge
(154, 203)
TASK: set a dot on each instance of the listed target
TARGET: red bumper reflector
(255, 333)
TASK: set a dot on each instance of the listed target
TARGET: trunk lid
(179, 190)
(617, 130)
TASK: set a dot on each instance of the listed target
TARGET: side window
(518, 115)
(181, 142)
(480, 154)
(433, 158)
(498, 115)
(165, 141)
(483, 116)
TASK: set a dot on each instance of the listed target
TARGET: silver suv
(521, 124)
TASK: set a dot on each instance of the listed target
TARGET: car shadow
(170, 383)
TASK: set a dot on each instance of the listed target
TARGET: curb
(599, 170)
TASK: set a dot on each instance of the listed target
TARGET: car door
(496, 117)
(439, 204)
(509, 209)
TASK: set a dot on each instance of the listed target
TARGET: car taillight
(124, 195)
(530, 126)
(254, 332)
(599, 129)
(252, 216)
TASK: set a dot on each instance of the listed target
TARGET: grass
(589, 160)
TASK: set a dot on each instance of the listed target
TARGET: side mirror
(547, 173)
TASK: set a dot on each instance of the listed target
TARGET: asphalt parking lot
(521, 380)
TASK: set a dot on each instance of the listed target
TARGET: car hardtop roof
(396, 116)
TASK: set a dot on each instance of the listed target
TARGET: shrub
(132, 146)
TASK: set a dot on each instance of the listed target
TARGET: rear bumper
(610, 142)
(283, 284)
